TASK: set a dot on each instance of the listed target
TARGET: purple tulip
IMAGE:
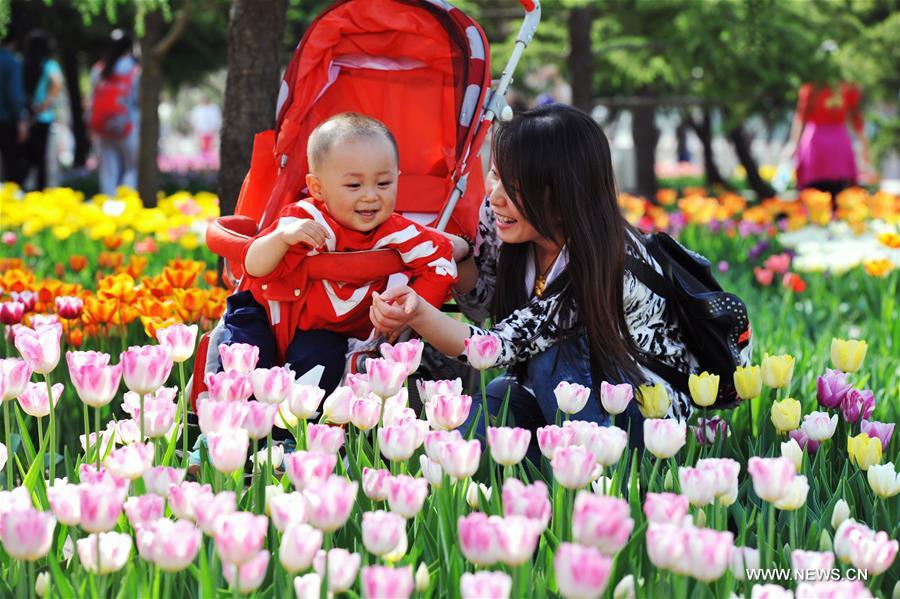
(831, 388)
(804, 441)
(884, 431)
(858, 404)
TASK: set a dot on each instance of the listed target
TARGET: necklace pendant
(539, 285)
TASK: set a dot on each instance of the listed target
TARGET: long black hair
(555, 164)
(37, 52)
(121, 44)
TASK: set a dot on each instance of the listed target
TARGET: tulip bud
(825, 543)
(482, 351)
(472, 493)
(42, 584)
(571, 397)
(700, 519)
(668, 482)
(615, 398)
(423, 578)
(625, 588)
(839, 513)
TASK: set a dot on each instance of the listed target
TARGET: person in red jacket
(354, 162)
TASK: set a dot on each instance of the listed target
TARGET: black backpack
(714, 324)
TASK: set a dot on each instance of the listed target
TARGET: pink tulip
(299, 546)
(131, 461)
(858, 404)
(175, 544)
(880, 430)
(385, 376)
(667, 546)
(365, 412)
(664, 438)
(158, 480)
(106, 439)
(95, 384)
(584, 431)
(517, 539)
(17, 374)
(40, 348)
(375, 483)
(398, 443)
(531, 501)
(259, 419)
(406, 495)
(601, 522)
(573, 467)
(101, 505)
(743, 559)
(771, 591)
(69, 306)
(208, 508)
(552, 437)
(229, 385)
(832, 589)
(709, 553)
(11, 312)
(571, 397)
(239, 356)
(143, 509)
(308, 586)
(271, 385)
(27, 533)
(479, 539)
(125, 432)
(131, 401)
(665, 508)
(324, 438)
(215, 416)
(428, 389)
(42, 321)
(483, 351)
(17, 499)
(607, 444)
(65, 502)
(615, 398)
(342, 568)
(34, 401)
(239, 536)
(382, 531)
(726, 471)
(831, 388)
(228, 450)
(379, 582)
(581, 571)
(485, 585)
(77, 359)
(183, 497)
(359, 383)
(431, 471)
(90, 475)
(336, 408)
(329, 503)
(286, 509)
(115, 549)
(408, 353)
(873, 554)
(847, 534)
(819, 426)
(447, 412)
(771, 477)
(812, 560)
(158, 417)
(508, 445)
(303, 400)
(308, 469)
(180, 339)
(460, 459)
(247, 576)
(146, 368)
(434, 442)
(698, 485)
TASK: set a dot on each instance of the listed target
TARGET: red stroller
(419, 66)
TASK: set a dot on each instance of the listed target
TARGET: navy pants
(246, 321)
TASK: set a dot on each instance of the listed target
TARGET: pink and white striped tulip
(700, 485)
(517, 539)
(448, 412)
(667, 546)
(434, 442)
(709, 553)
(100, 505)
(324, 438)
(286, 508)
(573, 467)
(581, 571)
(17, 374)
(131, 461)
(382, 531)
(115, 549)
(812, 560)
(145, 368)
(408, 353)
(406, 495)
(571, 397)
(215, 416)
(831, 589)
(485, 585)
(41, 347)
(208, 508)
(431, 471)
(772, 591)
(479, 539)
(772, 477)
(241, 357)
(460, 459)
(308, 586)
(531, 501)
(158, 417)
(158, 480)
(385, 376)
(183, 496)
(34, 401)
(17, 499)
(873, 553)
(329, 503)
(131, 401)
(303, 400)
(375, 483)
(260, 419)
(482, 351)
(41, 321)
(819, 426)
(229, 385)
(508, 445)
(143, 509)
(95, 384)
(552, 437)
(342, 568)
(228, 450)
(271, 385)
(615, 398)
(65, 501)
(665, 508)
(308, 469)
(664, 438)
(359, 383)
(175, 544)
(398, 443)
(365, 411)
(385, 581)
(584, 430)
(428, 389)
(601, 522)
(239, 536)
(607, 444)
(299, 546)
(248, 576)
(336, 408)
(726, 471)
(27, 533)
(180, 339)
(742, 560)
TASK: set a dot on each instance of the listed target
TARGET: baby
(354, 166)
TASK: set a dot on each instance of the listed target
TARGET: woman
(43, 84)
(549, 269)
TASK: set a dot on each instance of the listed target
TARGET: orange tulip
(77, 262)
(110, 260)
(890, 239)
(17, 280)
(119, 287)
(878, 267)
(211, 278)
(215, 304)
(32, 250)
(153, 324)
(666, 197)
(180, 278)
(135, 266)
(189, 303)
(192, 265)
(99, 310)
(157, 286)
(112, 242)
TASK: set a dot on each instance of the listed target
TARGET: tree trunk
(645, 135)
(255, 31)
(581, 57)
(703, 129)
(69, 59)
(760, 187)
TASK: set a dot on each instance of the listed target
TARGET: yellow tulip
(704, 388)
(864, 450)
(654, 401)
(777, 371)
(785, 414)
(748, 381)
(848, 355)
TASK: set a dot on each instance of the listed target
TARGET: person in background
(115, 114)
(43, 85)
(206, 119)
(13, 121)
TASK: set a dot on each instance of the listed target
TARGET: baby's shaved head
(344, 127)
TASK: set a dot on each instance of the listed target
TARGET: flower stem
(142, 418)
(9, 460)
(87, 431)
(771, 537)
(99, 447)
(52, 430)
(184, 423)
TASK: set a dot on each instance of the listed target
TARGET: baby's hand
(305, 231)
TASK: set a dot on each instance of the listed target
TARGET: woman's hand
(393, 310)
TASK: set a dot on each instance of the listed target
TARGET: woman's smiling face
(512, 226)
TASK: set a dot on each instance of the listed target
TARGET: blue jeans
(118, 162)
(532, 403)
